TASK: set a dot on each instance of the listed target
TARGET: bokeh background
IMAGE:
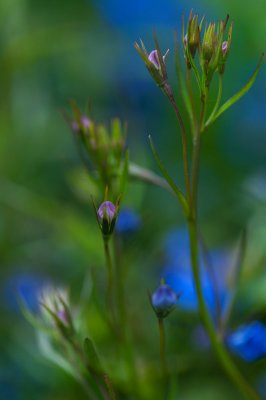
(54, 51)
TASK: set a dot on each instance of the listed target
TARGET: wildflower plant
(201, 55)
(205, 48)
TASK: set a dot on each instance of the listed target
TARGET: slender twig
(162, 347)
(109, 289)
(222, 354)
(217, 103)
(210, 268)
(168, 92)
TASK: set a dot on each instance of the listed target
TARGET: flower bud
(55, 309)
(163, 300)
(107, 213)
(193, 36)
(154, 58)
(154, 61)
(82, 124)
(224, 48)
(209, 43)
(106, 210)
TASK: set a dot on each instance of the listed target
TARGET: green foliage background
(52, 51)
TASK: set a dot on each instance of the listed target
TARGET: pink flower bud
(106, 210)
(225, 48)
(154, 59)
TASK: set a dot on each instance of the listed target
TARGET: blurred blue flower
(130, 16)
(248, 341)
(178, 273)
(24, 286)
(128, 221)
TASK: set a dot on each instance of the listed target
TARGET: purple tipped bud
(154, 59)
(185, 40)
(75, 127)
(62, 316)
(78, 125)
(225, 48)
(106, 210)
(164, 300)
(85, 122)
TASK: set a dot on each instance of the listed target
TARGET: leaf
(168, 178)
(91, 355)
(183, 87)
(239, 94)
(124, 174)
(146, 175)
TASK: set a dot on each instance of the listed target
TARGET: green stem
(190, 92)
(217, 104)
(168, 92)
(109, 290)
(221, 352)
(162, 348)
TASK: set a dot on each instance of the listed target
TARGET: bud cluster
(105, 146)
(210, 43)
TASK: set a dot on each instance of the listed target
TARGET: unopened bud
(154, 58)
(106, 210)
(107, 213)
(83, 123)
(225, 48)
(163, 300)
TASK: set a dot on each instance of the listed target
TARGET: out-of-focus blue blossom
(248, 341)
(24, 286)
(163, 300)
(128, 221)
(134, 14)
(178, 273)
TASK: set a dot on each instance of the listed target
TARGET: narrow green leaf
(124, 174)
(91, 355)
(168, 178)
(217, 103)
(145, 175)
(183, 87)
(194, 67)
(239, 94)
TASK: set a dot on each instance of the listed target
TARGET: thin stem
(209, 267)
(217, 104)
(125, 331)
(222, 354)
(190, 92)
(162, 348)
(217, 344)
(168, 92)
(109, 290)
(196, 156)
